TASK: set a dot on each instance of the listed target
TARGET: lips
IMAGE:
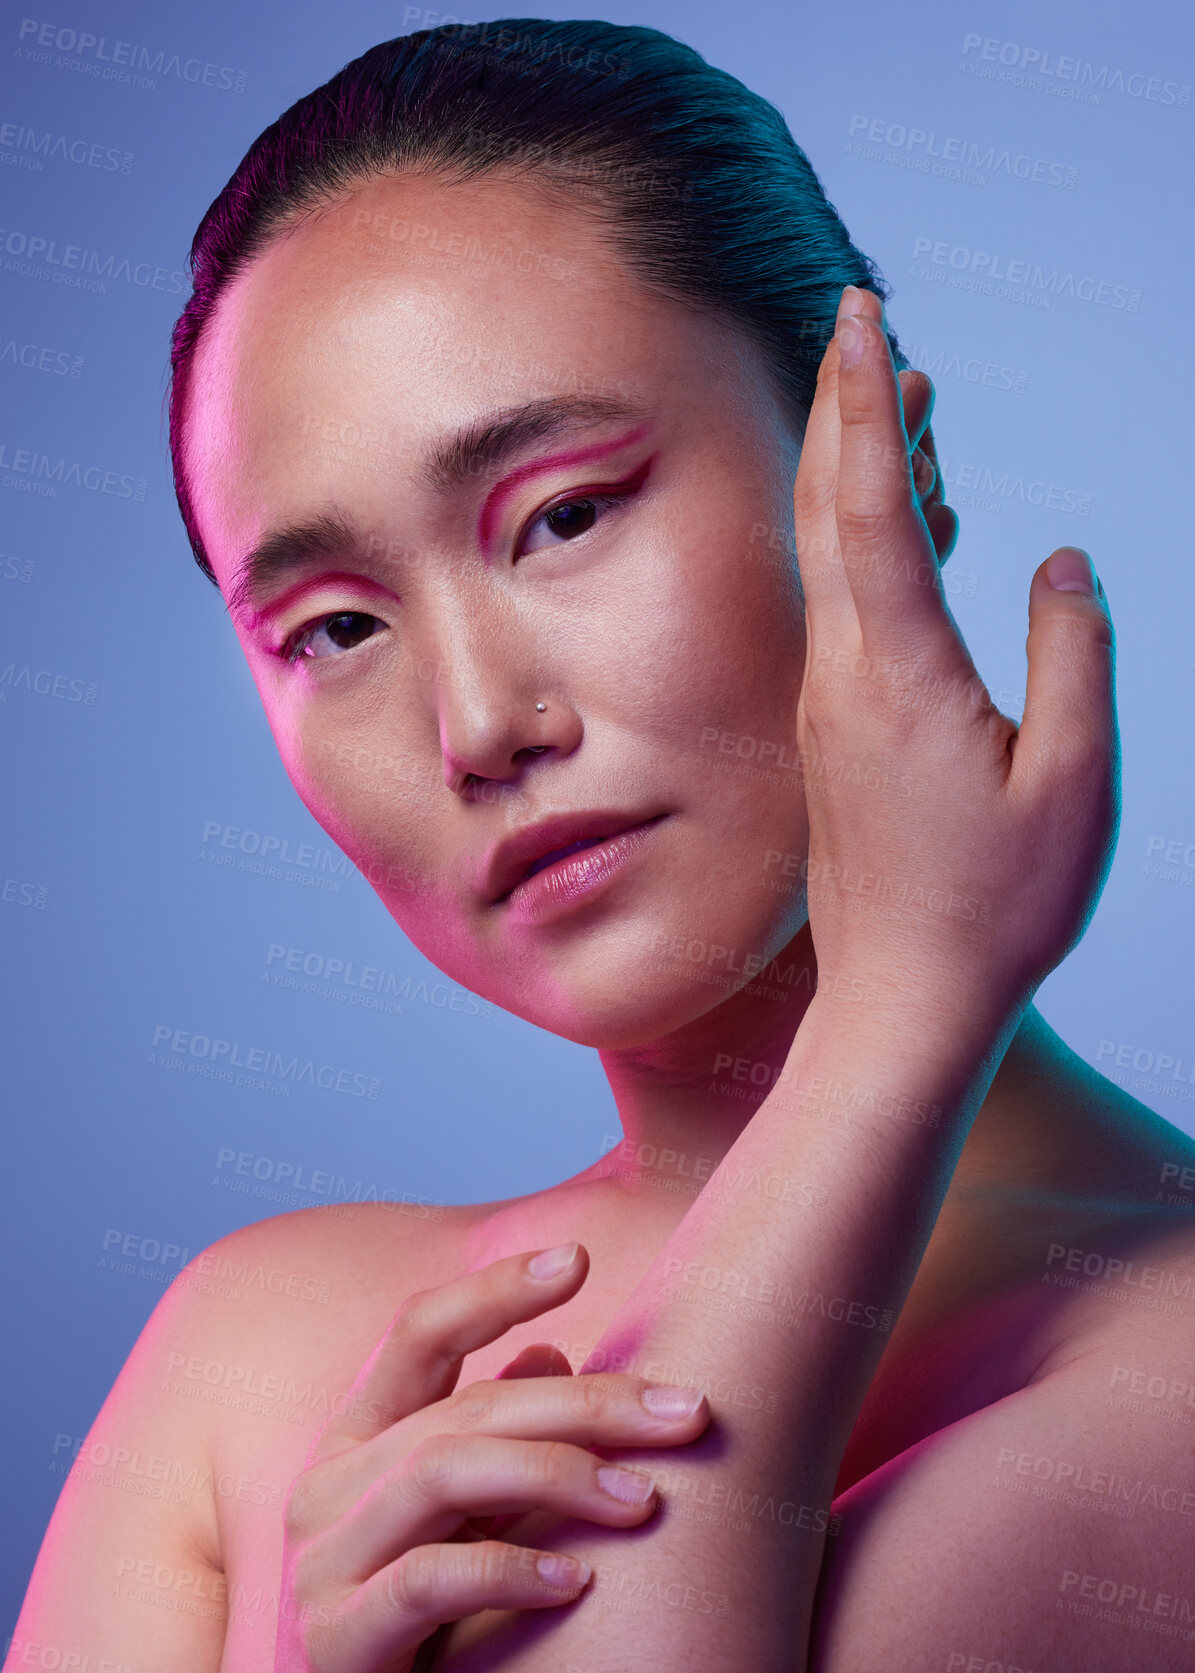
(520, 856)
(559, 854)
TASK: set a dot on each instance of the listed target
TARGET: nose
(498, 714)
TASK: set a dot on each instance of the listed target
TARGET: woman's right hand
(379, 1547)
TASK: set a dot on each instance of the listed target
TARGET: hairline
(558, 193)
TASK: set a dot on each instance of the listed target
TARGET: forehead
(407, 308)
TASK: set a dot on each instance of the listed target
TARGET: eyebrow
(477, 449)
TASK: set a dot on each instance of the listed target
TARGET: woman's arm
(128, 1575)
(989, 867)
(798, 1302)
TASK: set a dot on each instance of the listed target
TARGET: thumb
(1070, 699)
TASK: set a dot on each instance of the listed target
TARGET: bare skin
(332, 324)
(983, 1265)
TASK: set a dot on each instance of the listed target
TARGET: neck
(684, 1099)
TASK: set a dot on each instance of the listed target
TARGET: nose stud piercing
(538, 749)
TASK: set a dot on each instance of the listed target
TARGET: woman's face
(624, 558)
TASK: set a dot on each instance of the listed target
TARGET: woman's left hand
(952, 854)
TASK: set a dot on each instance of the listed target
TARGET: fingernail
(1070, 571)
(550, 1263)
(563, 1571)
(849, 337)
(632, 1487)
(664, 1400)
(851, 301)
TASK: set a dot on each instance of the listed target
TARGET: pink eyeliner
(501, 491)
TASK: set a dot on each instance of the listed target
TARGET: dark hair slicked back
(697, 180)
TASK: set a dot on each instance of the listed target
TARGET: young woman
(524, 363)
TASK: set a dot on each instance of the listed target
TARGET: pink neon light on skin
(502, 491)
(254, 619)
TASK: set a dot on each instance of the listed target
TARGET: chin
(613, 1003)
(630, 973)
(620, 1015)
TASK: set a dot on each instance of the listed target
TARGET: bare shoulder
(334, 1263)
(275, 1320)
(1115, 1259)
(167, 1531)
(1050, 1525)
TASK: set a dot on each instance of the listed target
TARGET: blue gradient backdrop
(138, 770)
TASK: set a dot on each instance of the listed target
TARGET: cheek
(711, 652)
(370, 797)
(713, 643)
(359, 775)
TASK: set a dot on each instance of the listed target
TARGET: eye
(329, 635)
(566, 520)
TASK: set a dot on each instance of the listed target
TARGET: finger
(917, 396)
(940, 519)
(1068, 732)
(402, 1605)
(887, 553)
(449, 1478)
(927, 478)
(917, 405)
(829, 608)
(418, 1359)
(942, 522)
(541, 1359)
(594, 1409)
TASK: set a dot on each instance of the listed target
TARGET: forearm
(795, 1301)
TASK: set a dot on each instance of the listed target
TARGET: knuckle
(411, 1582)
(492, 1561)
(414, 1316)
(856, 409)
(473, 1406)
(1081, 639)
(591, 1395)
(813, 493)
(553, 1463)
(864, 523)
(430, 1464)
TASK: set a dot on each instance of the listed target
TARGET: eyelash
(293, 646)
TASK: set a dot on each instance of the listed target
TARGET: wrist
(921, 1062)
(914, 1012)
